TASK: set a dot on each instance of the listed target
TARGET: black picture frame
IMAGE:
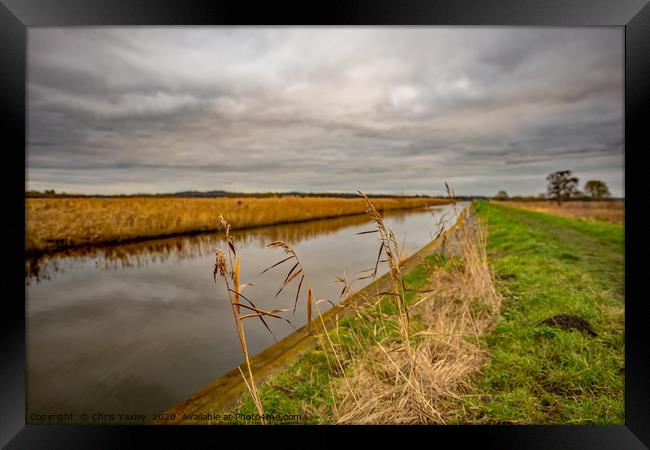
(17, 15)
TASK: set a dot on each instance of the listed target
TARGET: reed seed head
(219, 264)
(223, 225)
(284, 246)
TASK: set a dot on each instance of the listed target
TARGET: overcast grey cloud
(384, 110)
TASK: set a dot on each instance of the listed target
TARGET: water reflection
(138, 254)
(155, 328)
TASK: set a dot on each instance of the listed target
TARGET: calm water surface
(137, 328)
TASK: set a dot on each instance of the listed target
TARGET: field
(609, 211)
(480, 358)
(58, 223)
(544, 266)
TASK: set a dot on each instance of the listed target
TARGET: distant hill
(219, 193)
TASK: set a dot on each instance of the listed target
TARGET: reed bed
(609, 211)
(59, 223)
(144, 252)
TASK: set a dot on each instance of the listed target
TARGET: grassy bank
(547, 265)
(480, 352)
(57, 223)
(370, 369)
(314, 387)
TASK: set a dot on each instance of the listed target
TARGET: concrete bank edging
(221, 395)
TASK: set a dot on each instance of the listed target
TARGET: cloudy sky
(384, 110)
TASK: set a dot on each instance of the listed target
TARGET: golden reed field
(57, 223)
(609, 211)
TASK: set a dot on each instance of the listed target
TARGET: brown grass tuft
(397, 382)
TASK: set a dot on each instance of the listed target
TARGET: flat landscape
(372, 225)
(540, 372)
(610, 211)
(546, 346)
(58, 223)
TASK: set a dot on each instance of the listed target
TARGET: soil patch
(569, 322)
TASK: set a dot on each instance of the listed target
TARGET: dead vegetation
(411, 353)
(402, 379)
(229, 269)
(59, 223)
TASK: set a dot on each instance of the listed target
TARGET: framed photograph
(360, 216)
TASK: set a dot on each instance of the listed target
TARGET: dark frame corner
(633, 15)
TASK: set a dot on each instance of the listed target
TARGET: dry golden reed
(395, 256)
(229, 270)
(410, 377)
(55, 223)
(394, 381)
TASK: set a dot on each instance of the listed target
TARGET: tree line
(563, 186)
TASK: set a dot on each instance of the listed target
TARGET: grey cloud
(379, 109)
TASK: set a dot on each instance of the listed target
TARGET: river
(137, 328)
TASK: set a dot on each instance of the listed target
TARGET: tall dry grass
(412, 376)
(403, 377)
(58, 223)
(312, 303)
(229, 269)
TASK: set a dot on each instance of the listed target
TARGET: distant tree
(501, 195)
(597, 189)
(577, 195)
(541, 195)
(562, 186)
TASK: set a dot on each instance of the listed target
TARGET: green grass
(304, 388)
(546, 265)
